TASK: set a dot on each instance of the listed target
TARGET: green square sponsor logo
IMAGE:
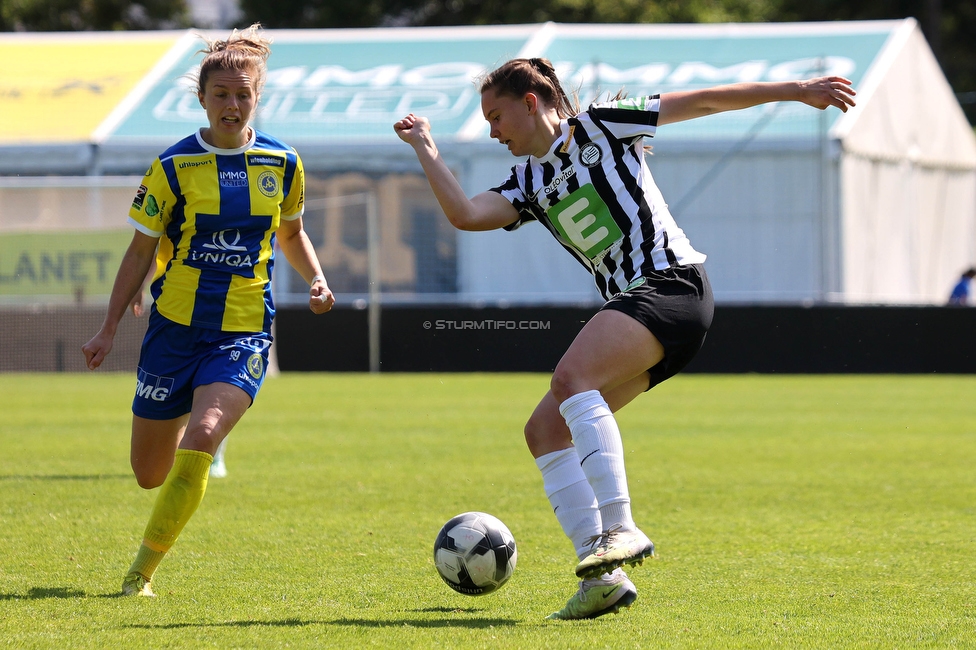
(584, 220)
(634, 103)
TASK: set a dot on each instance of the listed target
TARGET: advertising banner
(76, 265)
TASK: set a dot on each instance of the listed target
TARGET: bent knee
(565, 384)
(543, 434)
(149, 481)
(150, 476)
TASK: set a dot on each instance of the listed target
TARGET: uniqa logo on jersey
(224, 248)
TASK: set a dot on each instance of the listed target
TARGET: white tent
(790, 204)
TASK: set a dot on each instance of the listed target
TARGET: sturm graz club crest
(590, 154)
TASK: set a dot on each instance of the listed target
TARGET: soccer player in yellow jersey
(209, 211)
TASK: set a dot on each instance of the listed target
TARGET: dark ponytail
(520, 76)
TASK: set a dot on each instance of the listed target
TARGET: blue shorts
(175, 359)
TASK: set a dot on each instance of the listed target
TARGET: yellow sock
(179, 497)
(146, 561)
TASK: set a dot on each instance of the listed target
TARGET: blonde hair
(246, 51)
(520, 76)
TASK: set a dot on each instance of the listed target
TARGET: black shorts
(676, 305)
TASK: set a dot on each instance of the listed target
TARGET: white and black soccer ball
(475, 553)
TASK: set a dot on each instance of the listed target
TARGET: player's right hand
(96, 350)
(412, 129)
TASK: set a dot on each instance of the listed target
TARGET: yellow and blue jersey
(215, 212)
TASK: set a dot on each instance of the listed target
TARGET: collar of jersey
(226, 152)
(560, 141)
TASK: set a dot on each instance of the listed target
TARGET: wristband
(317, 278)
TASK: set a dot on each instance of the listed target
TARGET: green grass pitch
(788, 511)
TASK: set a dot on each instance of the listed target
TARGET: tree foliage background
(83, 15)
(949, 25)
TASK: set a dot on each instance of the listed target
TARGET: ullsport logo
(195, 163)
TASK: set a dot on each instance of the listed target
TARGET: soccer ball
(475, 553)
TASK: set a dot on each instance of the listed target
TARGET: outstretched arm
(485, 211)
(819, 93)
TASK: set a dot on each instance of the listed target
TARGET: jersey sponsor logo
(195, 163)
(255, 159)
(584, 220)
(221, 241)
(268, 184)
(255, 365)
(633, 103)
(140, 197)
(152, 208)
(227, 244)
(226, 250)
(560, 178)
(232, 178)
(154, 387)
(590, 154)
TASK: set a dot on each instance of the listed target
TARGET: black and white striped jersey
(594, 193)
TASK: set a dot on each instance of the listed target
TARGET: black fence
(763, 339)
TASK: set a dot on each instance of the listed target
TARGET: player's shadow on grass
(347, 622)
(288, 622)
(480, 622)
(41, 593)
(64, 477)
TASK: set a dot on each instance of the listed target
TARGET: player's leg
(216, 409)
(151, 453)
(152, 448)
(570, 493)
(610, 350)
(574, 503)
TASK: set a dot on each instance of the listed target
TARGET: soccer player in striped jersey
(209, 211)
(586, 181)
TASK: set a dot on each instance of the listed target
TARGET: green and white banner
(55, 264)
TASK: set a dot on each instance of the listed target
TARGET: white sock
(601, 455)
(571, 497)
(219, 454)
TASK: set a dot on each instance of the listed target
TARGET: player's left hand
(320, 298)
(138, 304)
(828, 91)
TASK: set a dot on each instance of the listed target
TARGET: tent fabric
(790, 204)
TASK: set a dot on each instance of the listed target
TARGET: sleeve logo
(152, 208)
(140, 197)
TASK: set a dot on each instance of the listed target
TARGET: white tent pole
(375, 294)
